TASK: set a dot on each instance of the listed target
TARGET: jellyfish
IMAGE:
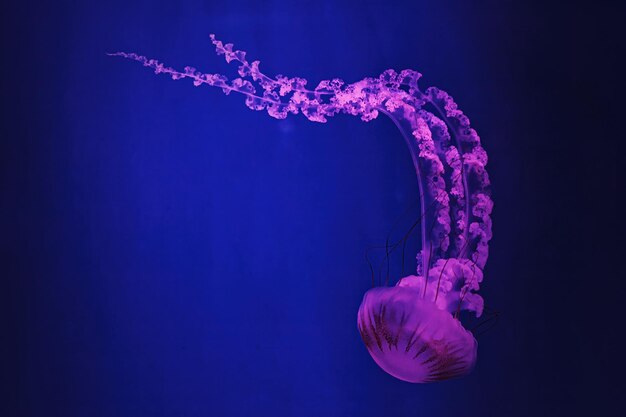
(412, 329)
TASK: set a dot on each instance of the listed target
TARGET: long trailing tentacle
(476, 220)
(455, 203)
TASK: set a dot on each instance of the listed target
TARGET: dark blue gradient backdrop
(168, 252)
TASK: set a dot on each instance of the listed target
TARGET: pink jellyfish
(412, 330)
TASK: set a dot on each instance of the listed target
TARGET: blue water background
(172, 253)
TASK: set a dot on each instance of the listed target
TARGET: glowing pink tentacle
(454, 185)
(478, 204)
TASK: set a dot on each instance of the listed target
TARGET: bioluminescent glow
(412, 330)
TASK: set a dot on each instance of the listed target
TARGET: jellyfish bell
(411, 330)
(412, 337)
